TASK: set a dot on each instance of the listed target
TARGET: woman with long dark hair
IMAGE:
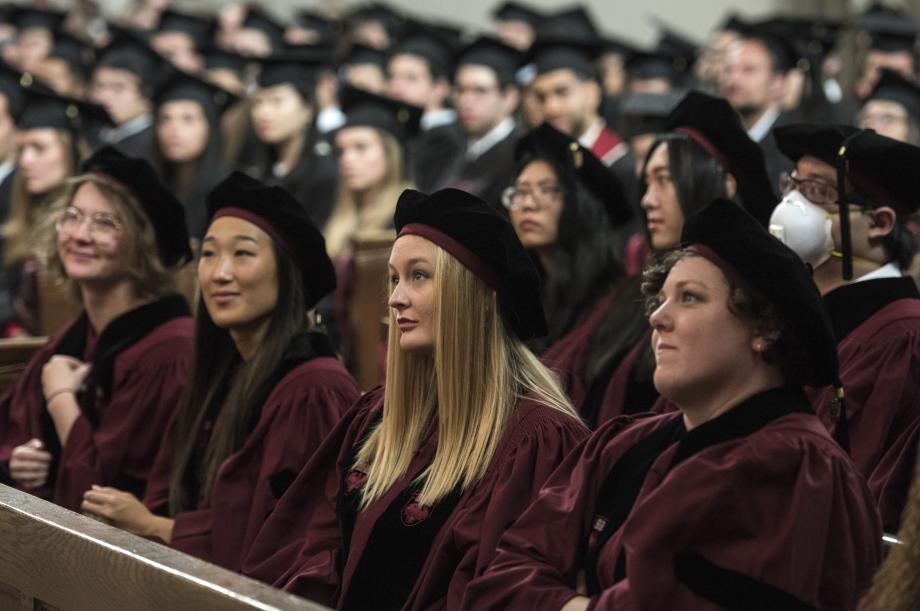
(565, 206)
(188, 149)
(264, 389)
(91, 407)
(408, 497)
(739, 500)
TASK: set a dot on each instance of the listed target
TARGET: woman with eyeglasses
(92, 406)
(741, 499)
(565, 206)
(408, 497)
(265, 388)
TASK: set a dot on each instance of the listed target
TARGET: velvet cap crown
(776, 271)
(484, 241)
(165, 213)
(277, 213)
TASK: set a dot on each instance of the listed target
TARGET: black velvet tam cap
(299, 69)
(365, 109)
(44, 108)
(165, 213)
(130, 51)
(549, 54)
(892, 87)
(484, 241)
(434, 42)
(744, 248)
(713, 124)
(574, 22)
(277, 213)
(183, 86)
(881, 169)
(657, 64)
(546, 141)
(28, 17)
(199, 28)
(887, 29)
(79, 55)
(492, 53)
(516, 11)
(646, 113)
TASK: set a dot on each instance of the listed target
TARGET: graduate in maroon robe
(742, 500)
(91, 407)
(875, 308)
(265, 390)
(405, 502)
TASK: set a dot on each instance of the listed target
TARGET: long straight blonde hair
(479, 372)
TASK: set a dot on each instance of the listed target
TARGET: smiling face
(691, 317)
(412, 292)
(90, 247)
(536, 223)
(664, 216)
(237, 273)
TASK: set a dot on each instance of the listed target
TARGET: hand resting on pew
(125, 511)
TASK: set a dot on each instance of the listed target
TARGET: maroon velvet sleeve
(149, 381)
(298, 545)
(536, 562)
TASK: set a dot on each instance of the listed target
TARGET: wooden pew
(15, 355)
(54, 559)
(368, 307)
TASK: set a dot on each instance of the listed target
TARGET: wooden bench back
(55, 559)
(368, 307)
(15, 355)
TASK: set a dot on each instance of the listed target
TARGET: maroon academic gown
(140, 364)
(877, 325)
(758, 508)
(395, 554)
(299, 412)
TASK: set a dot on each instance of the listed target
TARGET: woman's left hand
(118, 508)
(63, 374)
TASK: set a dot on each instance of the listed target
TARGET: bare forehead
(696, 269)
(89, 198)
(412, 247)
(537, 170)
(812, 167)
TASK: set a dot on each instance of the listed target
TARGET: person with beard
(754, 81)
(843, 212)
(419, 70)
(486, 96)
(188, 142)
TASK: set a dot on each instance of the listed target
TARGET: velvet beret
(278, 214)
(484, 241)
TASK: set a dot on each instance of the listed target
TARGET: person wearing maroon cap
(408, 497)
(740, 500)
(264, 389)
(92, 405)
(857, 259)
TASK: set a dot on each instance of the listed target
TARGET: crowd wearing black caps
(651, 329)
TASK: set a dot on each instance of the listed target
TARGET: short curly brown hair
(748, 304)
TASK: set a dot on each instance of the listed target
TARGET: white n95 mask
(804, 228)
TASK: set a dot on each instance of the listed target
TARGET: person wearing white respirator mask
(857, 258)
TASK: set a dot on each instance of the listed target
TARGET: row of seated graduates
(89, 112)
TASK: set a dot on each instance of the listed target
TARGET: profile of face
(664, 216)
(412, 292)
(887, 117)
(362, 158)
(182, 131)
(536, 205)
(748, 81)
(119, 91)
(410, 80)
(698, 342)
(238, 274)
(566, 101)
(43, 159)
(90, 238)
(279, 113)
(480, 101)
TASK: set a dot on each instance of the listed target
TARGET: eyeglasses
(101, 225)
(544, 195)
(817, 192)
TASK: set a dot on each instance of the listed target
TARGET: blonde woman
(425, 474)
